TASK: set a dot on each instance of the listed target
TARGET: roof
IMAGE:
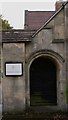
(26, 35)
(16, 35)
(50, 19)
(35, 19)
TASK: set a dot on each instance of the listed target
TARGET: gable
(35, 19)
(50, 22)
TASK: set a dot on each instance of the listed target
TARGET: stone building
(34, 67)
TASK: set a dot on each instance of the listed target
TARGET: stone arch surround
(59, 61)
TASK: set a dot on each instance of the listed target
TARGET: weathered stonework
(14, 92)
(66, 35)
(51, 42)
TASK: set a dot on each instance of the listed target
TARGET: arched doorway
(43, 82)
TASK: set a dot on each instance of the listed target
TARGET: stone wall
(0, 87)
(50, 42)
(66, 35)
(13, 87)
(0, 74)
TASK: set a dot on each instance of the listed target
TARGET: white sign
(13, 69)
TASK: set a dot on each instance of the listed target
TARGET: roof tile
(35, 19)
